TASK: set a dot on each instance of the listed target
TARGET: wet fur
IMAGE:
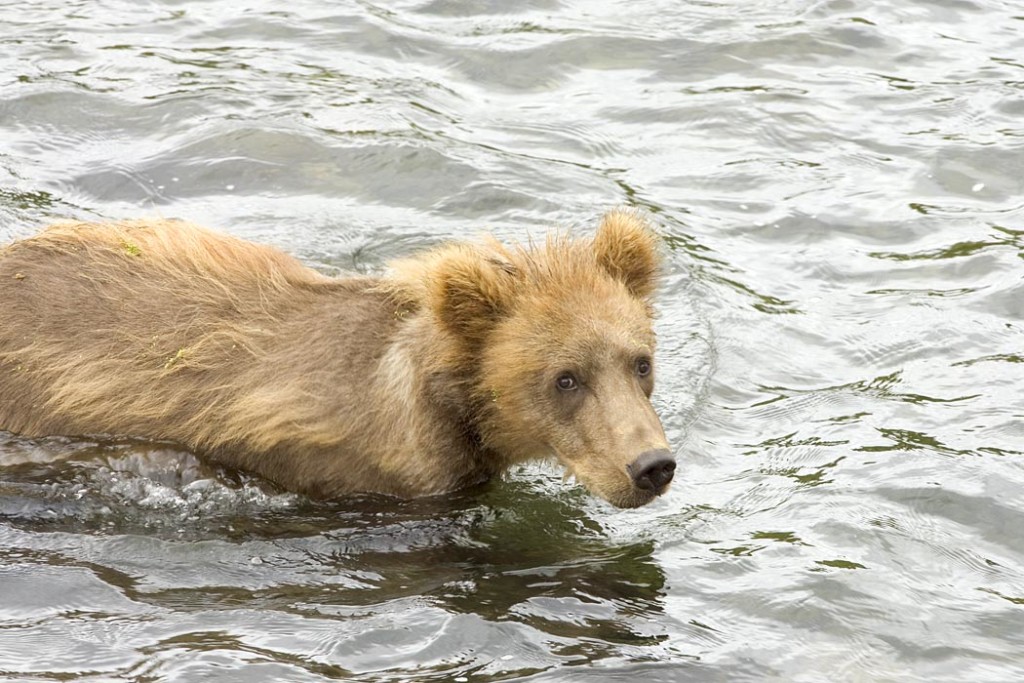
(165, 330)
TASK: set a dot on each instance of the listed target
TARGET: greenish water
(840, 186)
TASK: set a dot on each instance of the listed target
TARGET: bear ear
(627, 247)
(472, 291)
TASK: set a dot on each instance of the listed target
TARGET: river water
(840, 188)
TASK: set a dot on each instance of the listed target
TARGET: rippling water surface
(840, 187)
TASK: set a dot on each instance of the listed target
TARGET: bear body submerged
(457, 364)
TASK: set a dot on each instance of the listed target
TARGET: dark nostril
(652, 470)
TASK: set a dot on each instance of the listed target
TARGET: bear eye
(566, 382)
(643, 367)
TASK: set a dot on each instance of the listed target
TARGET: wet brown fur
(435, 376)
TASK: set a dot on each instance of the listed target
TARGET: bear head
(558, 343)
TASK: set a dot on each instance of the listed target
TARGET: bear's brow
(596, 350)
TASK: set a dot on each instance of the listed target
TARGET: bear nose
(652, 469)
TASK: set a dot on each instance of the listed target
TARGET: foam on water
(118, 485)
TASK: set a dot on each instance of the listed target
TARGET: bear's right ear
(627, 248)
(472, 291)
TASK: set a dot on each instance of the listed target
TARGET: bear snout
(652, 470)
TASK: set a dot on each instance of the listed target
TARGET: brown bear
(458, 363)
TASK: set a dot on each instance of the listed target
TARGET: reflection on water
(522, 574)
(838, 185)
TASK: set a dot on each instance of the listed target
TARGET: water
(840, 186)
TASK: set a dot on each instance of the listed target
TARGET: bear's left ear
(627, 247)
(472, 291)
